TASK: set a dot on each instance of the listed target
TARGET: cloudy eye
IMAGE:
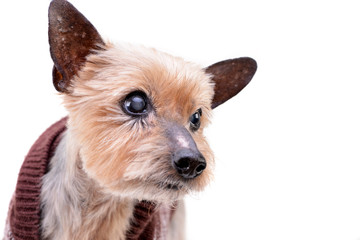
(136, 103)
(195, 120)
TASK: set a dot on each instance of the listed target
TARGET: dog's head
(138, 114)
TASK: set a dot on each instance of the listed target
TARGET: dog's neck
(74, 206)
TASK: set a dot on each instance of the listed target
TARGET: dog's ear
(230, 77)
(72, 37)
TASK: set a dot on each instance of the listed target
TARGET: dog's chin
(164, 191)
(156, 190)
(171, 190)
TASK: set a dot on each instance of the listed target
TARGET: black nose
(188, 163)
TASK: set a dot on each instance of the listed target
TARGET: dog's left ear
(230, 77)
(72, 37)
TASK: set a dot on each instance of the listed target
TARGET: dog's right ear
(72, 37)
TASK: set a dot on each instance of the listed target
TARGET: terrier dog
(132, 145)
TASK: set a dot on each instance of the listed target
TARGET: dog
(132, 145)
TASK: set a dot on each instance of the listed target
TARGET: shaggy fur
(111, 139)
(107, 159)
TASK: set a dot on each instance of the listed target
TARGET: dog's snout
(186, 158)
(188, 163)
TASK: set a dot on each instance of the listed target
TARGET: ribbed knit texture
(149, 221)
(25, 212)
(143, 214)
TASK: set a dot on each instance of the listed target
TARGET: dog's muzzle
(186, 158)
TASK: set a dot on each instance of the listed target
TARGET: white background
(287, 147)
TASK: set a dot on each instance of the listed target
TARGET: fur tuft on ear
(230, 77)
(72, 37)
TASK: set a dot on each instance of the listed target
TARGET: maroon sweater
(25, 213)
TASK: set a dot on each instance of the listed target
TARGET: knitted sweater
(24, 215)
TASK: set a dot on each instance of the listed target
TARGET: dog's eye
(195, 120)
(136, 103)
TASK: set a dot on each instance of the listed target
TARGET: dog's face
(132, 109)
(138, 114)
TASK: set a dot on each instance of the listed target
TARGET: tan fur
(107, 159)
(74, 206)
(111, 140)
